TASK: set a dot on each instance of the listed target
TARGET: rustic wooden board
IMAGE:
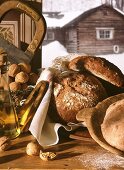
(72, 154)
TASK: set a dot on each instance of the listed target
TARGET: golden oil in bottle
(8, 119)
(9, 125)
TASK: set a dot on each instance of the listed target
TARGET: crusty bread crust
(75, 92)
(99, 67)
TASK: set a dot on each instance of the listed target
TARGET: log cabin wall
(54, 35)
(71, 39)
(86, 32)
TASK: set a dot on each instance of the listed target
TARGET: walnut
(46, 156)
(5, 143)
(22, 77)
(25, 67)
(33, 77)
(14, 86)
(33, 148)
(24, 86)
(13, 70)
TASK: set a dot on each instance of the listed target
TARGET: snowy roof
(118, 10)
(67, 17)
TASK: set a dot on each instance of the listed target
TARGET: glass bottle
(9, 125)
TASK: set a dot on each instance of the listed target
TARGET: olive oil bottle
(9, 125)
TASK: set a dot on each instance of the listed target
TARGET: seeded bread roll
(99, 67)
(113, 125)
(73, 93)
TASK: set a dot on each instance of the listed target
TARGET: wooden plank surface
(72, 154)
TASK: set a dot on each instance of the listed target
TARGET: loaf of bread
(113, 125)
(73, 93)
(99, 67)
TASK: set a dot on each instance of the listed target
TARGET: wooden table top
(72, 154)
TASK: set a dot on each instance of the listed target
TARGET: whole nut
(21, 77)
(33, 148)
(33, 77)
(24, 86)
(13, 70)
(25, 67)
(5, 143)
(14, 86)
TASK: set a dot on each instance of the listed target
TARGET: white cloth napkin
(42, 128)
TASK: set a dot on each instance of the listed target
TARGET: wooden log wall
(86, 33)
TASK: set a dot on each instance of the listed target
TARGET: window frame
(105, 35)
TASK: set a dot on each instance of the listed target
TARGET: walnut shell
(33, 77)
(46, 156)
(22, 77)
(25, 67)
(5, 143)
(24, 86)
(13, 70)
(33, 148)
(14, 86)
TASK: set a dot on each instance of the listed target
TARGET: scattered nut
(46, 156)
(33, 148)
(5, 143)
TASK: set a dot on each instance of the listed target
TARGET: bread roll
(113, 125)
(99, 67)
(73, 93)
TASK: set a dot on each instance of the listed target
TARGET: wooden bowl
(93, 117)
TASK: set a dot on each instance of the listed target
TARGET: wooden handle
(38, 19)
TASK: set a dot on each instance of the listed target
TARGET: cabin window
(49, 36)
(104, 33)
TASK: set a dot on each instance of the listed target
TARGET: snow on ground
(51, 51)
(55, 49)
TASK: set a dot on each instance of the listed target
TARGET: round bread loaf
(99, 67)
(113, 125)
(73, 93)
